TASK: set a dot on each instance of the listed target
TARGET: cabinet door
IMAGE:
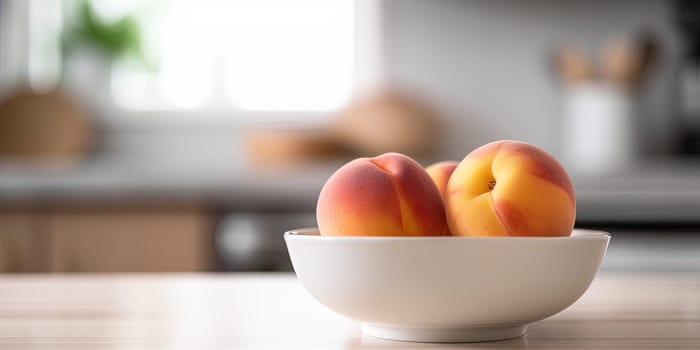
(126, 239)
(24, 241)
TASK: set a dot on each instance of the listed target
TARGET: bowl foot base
(443, 334)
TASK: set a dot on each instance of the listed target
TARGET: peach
(510, 188)
(389, 195)
(440, 173)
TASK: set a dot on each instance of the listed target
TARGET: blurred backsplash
(490, 63)
(149, 135)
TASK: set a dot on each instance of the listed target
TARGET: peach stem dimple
(492, 184)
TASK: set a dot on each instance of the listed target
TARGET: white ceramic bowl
(446, 289)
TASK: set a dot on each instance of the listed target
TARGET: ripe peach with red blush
(388, 195)
(510, 188)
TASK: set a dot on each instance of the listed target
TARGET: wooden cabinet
(24, 241)
(106, 239)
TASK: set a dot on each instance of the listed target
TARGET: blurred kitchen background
(148, 135)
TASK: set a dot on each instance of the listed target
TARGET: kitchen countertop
(115, 181)
(271, 311)
(665, 190)
(662, 190)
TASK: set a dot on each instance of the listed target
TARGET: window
(251, 55)
(260, 55)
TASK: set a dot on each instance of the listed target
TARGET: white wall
(488, 62)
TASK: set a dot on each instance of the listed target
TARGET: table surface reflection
(272, 311)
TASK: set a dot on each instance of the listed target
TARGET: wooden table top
(272, 311)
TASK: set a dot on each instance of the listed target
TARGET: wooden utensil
(627, 62)
(572, 64)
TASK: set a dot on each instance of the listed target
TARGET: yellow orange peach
(510, 188)
(440, 173)
(389, 195)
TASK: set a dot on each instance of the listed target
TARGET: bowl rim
(312, 233)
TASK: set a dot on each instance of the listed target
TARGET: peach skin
(510, 188)
(440, 173)
(389, 195)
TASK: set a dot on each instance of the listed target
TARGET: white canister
(599, 128)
